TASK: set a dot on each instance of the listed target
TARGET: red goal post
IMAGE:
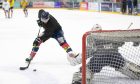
(133, 33)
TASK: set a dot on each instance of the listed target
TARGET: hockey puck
(34, 70)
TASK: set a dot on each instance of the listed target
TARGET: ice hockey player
(5, 7)
(52, 29)
(105, 53)
(24, 5)
(11, 2)
(135, 7)
(130, 7)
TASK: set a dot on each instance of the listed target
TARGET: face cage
(45, 20)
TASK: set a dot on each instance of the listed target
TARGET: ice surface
(18, 33)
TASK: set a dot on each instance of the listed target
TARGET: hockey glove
(28, 59)
(40, 23)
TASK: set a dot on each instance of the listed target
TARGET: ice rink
(18, 33)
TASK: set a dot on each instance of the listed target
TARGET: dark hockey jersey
(51, 26)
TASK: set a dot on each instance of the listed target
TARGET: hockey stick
(23, 68)
(26, 67)
(130, 25)
(38, 31)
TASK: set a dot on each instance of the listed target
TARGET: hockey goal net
(105, 53)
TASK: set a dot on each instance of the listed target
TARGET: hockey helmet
(45, 17)
(96, 27)
(40, 12)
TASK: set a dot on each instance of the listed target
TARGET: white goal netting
(111, 56)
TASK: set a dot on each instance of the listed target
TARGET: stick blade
(23, 68)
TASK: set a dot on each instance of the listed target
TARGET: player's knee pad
(37, 42)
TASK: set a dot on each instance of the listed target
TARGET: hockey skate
(77, 77)
(135, 13)
(74, 59)
(131, 70)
